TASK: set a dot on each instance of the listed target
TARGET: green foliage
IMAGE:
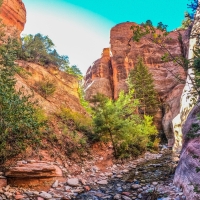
(19, 123)
(75, 129)
(158, 35)
(197, 169)
(74, 70)
(140, 79)
(75, 120)
(196, 189)
(1, 2)
(83, 102)
(40, 49)
(186, 22)
(22, 72)
(147, 28)
(115, 122)
(192, 133)
(46, 88)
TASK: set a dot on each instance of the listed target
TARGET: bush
(116, 122)
(41, 49)
(19, 123)
(22, 72)
(75, 120)
(46, 88)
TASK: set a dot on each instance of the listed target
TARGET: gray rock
(155, 183)
(45, 195)
(117, 196)
(125, 197)
(102, 182)
(73, 182)
(55, 184)
(135, 186)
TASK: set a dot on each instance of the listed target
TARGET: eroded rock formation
(99, 77)
(66, 87)
(109, 74)
(187, 172)
(13, 15)
(33, 174)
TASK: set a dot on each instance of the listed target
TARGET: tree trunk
(113, 143)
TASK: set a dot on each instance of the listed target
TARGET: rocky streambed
(147, 178)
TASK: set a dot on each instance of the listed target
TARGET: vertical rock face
(13, 15)
(187, 171)
(99, 77)
(124, 55)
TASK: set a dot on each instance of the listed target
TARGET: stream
(149, 180)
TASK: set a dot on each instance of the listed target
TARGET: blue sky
(81, 28)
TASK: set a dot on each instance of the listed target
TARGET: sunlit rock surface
(34, 174)
(66, 87)
(13, 15)
(124, 54)
(187, 172)
(99, 77)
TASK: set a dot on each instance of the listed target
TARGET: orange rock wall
(124, 55)
(13, 14)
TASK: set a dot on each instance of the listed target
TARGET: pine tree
(115, 121)
(140, 79)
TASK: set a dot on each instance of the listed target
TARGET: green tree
(40, 49)
(140, 79)
(19, 123)
(74, 70)
(187, 21)
(116, 122)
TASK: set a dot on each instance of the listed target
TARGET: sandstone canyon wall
(39, 171)
(13, 15)
(108, 74)
(66, 87)
(187, 172)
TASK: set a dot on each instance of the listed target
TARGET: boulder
(73, 182)
(34, 170)
(37, 175)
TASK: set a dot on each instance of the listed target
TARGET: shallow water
(147, 176)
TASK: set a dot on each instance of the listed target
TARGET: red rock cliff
(109, 74)
(13, 14)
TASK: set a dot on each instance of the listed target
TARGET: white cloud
(76, 32)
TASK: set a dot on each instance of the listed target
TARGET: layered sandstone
(13, 14)
(187, 171)
(34, 174)
(66, 87)
(124, 55)
(99, 77)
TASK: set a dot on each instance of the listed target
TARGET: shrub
(46, 88)
(75, 120)
(22, 72)
(19, 123)
(116, 122)
(41, 49)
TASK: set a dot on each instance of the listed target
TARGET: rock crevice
(124, 55)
